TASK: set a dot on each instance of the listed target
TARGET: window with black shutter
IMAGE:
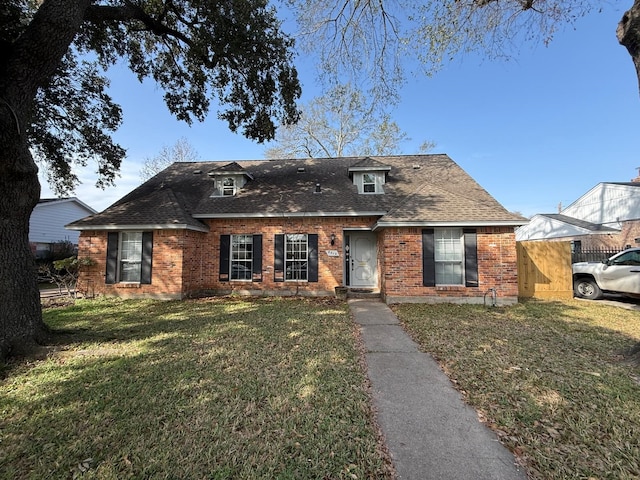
(129, 257)
(240, 258)
(449, 257)
(296, 257)
(470, 257)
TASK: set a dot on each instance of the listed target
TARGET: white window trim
(120, 261)
(460, 262)
(378, 178)
(231, 259)
(232, 188)
(286, 261)
(374, 177)
(219, 187)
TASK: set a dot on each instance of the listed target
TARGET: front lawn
(217, 389)
(551, 378)
(273, 388)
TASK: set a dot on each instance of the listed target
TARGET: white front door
(363, 260)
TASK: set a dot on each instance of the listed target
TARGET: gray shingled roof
(594, 227)
(370, 163)
(420, 189)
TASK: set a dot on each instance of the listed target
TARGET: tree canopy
(236, 55)
(181, 151)
(372, 43)
(233, 54)
(342, 122)
(54, 104)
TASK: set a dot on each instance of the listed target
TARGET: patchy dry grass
(549, 377)
(212, 389)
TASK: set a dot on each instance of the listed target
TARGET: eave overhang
(288, 214)
(465, 223)
(149, 226)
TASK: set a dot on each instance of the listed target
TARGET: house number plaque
(333, 253)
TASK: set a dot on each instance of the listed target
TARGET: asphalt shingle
(418, 188)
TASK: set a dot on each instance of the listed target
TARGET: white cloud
(95, 197)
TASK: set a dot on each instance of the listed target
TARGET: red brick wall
(202, 265)
(166, 281)
(401, 249)
(186, 263)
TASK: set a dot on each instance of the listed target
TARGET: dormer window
(228, 187)
(229, 179)
(369, 183)
(369, 176)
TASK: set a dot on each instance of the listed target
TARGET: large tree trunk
(20, 313)
(628, 33)
(28, 65)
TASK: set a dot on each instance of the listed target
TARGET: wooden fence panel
(544, 270)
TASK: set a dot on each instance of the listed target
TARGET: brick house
(413, 228)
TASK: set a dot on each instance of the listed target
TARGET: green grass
(550, 378)
(215, 389)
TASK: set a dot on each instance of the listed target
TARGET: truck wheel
(587, 288)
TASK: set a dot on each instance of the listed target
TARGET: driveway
(618, 301)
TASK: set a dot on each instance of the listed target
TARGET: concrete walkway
(429, 431)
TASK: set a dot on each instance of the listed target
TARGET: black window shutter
(278, 261)
(428, 258)
(112, 258)
(312, 256)
(147, 257)
(225, 249)
(470, 257)
(257, 258)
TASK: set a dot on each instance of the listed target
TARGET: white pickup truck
(619, 274)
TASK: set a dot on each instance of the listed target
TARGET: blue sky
(536, 131)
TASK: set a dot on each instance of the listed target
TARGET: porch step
(363, 293)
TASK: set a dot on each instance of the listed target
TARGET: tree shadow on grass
(196, 389)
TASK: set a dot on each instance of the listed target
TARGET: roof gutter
(466, 223)
(149, 226)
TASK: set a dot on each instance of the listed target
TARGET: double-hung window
(296, 257)
(449, 256)
(369, 183)
(129, 257)
(130, 261)
(241, 257)
(228, 187)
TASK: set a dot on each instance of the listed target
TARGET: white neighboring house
(607, 216)
(46, 225)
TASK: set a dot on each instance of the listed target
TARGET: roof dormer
(369, 175)
(229, 179)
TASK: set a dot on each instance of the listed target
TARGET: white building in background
(607, 216)
(46, 225)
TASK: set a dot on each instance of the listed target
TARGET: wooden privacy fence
(544, 270)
